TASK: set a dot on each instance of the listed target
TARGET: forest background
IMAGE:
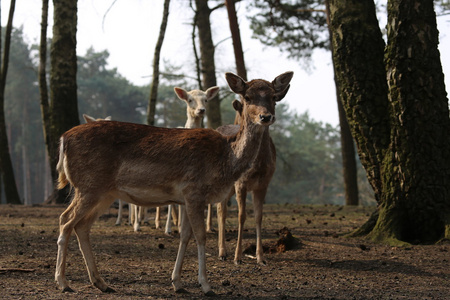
(309, 166)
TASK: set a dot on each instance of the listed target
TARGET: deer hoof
(262, 263)
(210, 294)
(223, 258)
(238, 262)
(181, 291)
(109, 290)
(67, 290)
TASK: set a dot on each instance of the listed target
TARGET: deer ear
(237, 105)
(88, 119)
(281, 82)
(236, 83)
(181, 93)
(212, 92)
(280, 95)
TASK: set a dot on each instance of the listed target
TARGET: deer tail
(62, 178)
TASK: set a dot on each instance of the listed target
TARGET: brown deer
(255, 180)
(196, 102)
(152, 166)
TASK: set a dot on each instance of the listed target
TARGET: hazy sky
(131, 27)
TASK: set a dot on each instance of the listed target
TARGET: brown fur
(153, 166)
(256, 179)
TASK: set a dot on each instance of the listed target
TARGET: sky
(129, 30)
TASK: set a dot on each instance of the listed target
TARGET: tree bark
(401, 131)
(349, 169)
(236, 37)
(43, 89)
(155, 80)
(6, 168)
(207, 61)
(63, 84)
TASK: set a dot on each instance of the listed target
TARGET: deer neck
(193, 122)
(246, 146)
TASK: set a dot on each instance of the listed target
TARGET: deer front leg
(168, 228)
(258, 201)
(195, 213)
(157, 218)
(241, 195)
(119, 213)
(209, 227)
(221, 217)
(185, 236)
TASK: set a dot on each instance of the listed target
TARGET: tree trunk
(207, 61)
(349, 169)
(401, 133)
(417, 180)
(236, 37)
(155, 80)
(63, 84)
(43, 92)
(6, 168)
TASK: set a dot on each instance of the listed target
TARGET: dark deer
(255, 180)
(152, 166)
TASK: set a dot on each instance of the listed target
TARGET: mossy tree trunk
(401, 124)
(63, 84)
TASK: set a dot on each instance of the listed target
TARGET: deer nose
(201, 110)
(265, 118)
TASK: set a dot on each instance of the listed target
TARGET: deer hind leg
(82, 229)
(185, 236)
(195, 214)
(258, 201)
(137, 218)
(168, 228)
(158, 218)
(69, 219)
(241, 195)
(221, 217)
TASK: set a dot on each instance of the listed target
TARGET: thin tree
(236, 37)
(42, 79)
(6, 168)
(401, 124)
(155, 80)
(63, 106)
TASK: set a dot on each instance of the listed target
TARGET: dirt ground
(324, 265)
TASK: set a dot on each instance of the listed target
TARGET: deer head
(196, 100)
(89, 119)
(259, 96)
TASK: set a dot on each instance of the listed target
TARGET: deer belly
(155, 196)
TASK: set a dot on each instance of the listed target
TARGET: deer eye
(247, 98)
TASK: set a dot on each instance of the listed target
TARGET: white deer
(153, 166)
